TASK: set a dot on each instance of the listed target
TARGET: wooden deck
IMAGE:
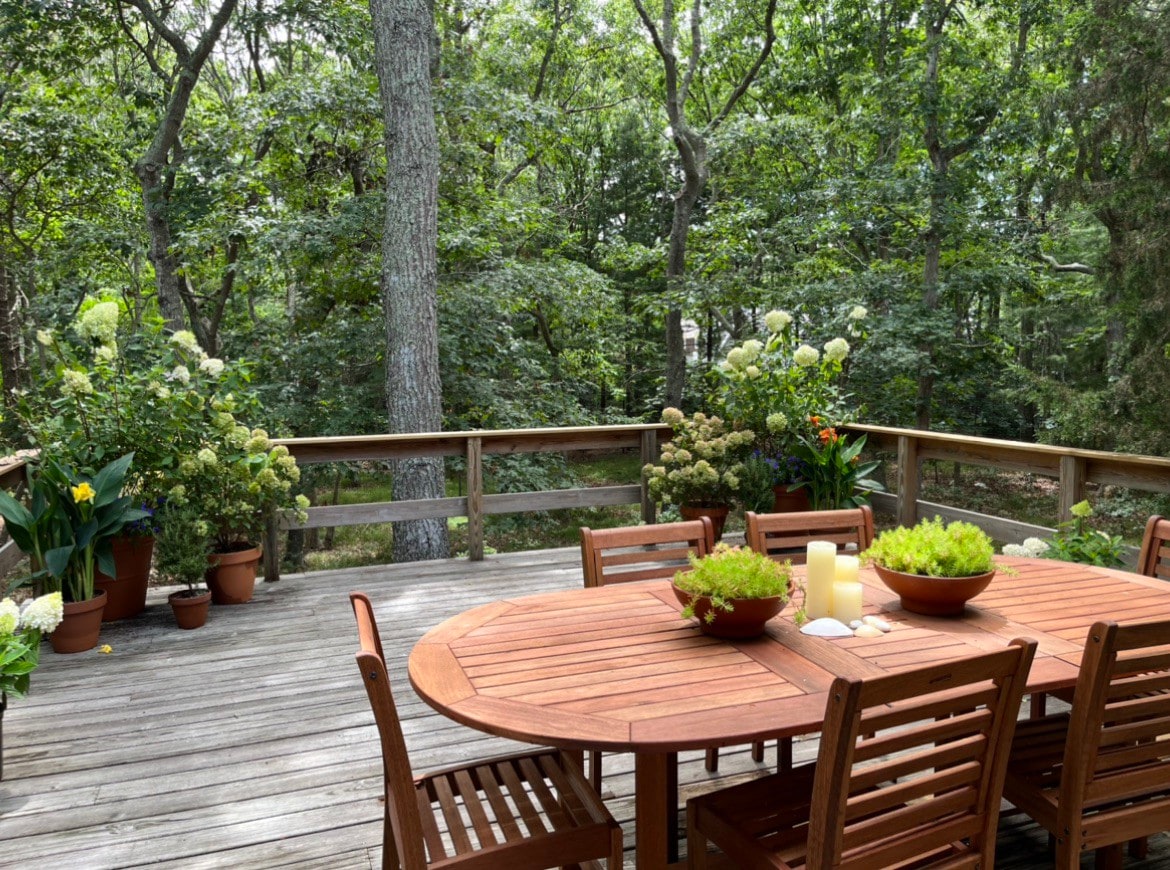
(249, 743)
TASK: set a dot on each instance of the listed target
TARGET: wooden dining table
(616, 668)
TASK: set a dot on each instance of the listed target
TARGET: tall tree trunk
(11, 365)
(403, 36)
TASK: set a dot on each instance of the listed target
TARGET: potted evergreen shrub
(935, 568)
(733, 591)
(182, 540)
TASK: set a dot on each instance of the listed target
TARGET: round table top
(617, 668)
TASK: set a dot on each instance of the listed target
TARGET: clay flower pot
(190, 607)
(934, 596)
(748, 618)
(232, 576)
(80, 627)
(718, 515)
(785, 502)
(126, 592)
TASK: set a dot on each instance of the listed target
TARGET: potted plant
(935, 568)
(733, 591)
(182, 558)
(835, 476)
(700, 467)
(236, 481)
(21, 629)
(775, 385)
(67, 531)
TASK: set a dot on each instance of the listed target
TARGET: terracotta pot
(748, 618)
(232, 576)
(126, 592)
(80, 627)
(718, 515)
(934, 596)
(785, 502)
(190, 607)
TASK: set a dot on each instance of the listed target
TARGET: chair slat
(904, 842)
(473, 805)
(456, 828)
(915, 788)
(900, 766)
(785, 536)
(528, 813)
(946, 728)
(435, 846)
(489, 782)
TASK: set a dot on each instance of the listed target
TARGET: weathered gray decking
(249, 743)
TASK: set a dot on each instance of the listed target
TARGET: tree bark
(11, 365)
(403, 35)
(155, 169)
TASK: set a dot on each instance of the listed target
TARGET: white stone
(868, 631)
(826, 626)
(856, 624)
(877, 622)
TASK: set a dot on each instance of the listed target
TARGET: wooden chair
(651, 552)
(1154, 560)
(785, 537)
(910, 769)
(520, 811)
(1098, 776)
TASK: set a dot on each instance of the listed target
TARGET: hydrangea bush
(21, 628)
(1073, 542)
(702, 464)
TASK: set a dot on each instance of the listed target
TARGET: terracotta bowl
(748, 619)
(934, 596)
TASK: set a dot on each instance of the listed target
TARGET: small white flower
(207, 457)
(106, 353)
(44, 613)
(837, 349)
(9, 617)
(752, 372)
(1035, 547)
(180, 374)
(1014, 550)
(45, 337)
(777, 321)
(212, 366)
(806, 355)
(737, 358)
(98, 323)
(858, 313)
(776, 423)
(75, 383)
(185, 340)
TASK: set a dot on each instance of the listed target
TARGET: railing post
(908, 480)
(649, 454)
(1072, 485)
(271, 550)
(475, 499)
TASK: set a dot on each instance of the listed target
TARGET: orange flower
(828, 435)
(815, 420)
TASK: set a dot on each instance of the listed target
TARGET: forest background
(989, 179)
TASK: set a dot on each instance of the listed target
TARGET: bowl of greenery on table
(733, 591)
(935, 568)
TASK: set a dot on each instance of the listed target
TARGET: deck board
(249, 743)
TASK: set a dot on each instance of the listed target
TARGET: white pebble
(868, 631)
(855, 624)
(877, 622)
(826, 626)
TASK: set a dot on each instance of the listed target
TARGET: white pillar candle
(818, 584)
(847, 569)
(847, 597)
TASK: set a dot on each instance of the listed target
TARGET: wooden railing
(1072, 468)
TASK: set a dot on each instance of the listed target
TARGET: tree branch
(750, 75)
(1067, 267)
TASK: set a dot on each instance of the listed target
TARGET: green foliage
(933, 549)
(1075, 542)
(20, 640)
(181, 545)
(733, 572)
(836, 476)
(702, 463)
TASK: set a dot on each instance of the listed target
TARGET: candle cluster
(832, 587)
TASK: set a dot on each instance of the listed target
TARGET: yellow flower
(82, 492)
(105, 649)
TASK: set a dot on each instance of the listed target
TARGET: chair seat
(534, 804)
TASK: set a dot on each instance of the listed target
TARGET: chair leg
(1139, 848)
(758, 751)
(1108, 857)
(1037, 704)
(696, 846)
(595, 770)
(672, 807)
(711, 762)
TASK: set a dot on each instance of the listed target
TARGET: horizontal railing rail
(1071, 467)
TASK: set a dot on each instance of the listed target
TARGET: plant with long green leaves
(836, 475)
(69, 526)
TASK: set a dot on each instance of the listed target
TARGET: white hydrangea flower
(859, 312)
(44, 613)
(9, 617)
(672, 416)
(752, 349)
(737, 358)
(207, 457)
(806, 355)
(837, 349)
(75, 383)
(752, 372)
(1035, 547)
(179, 374)
(1014, 550)
(106, 353)
(184, 339)
(777, 321)
(45, 337)
(212, 366)
(776, 423)
(99, 323)
(159, 391)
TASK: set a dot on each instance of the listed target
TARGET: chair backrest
(1119, 728)
(401, 801)
(914, 762)
(785, 537)
(1154, 560)
(643, 552)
